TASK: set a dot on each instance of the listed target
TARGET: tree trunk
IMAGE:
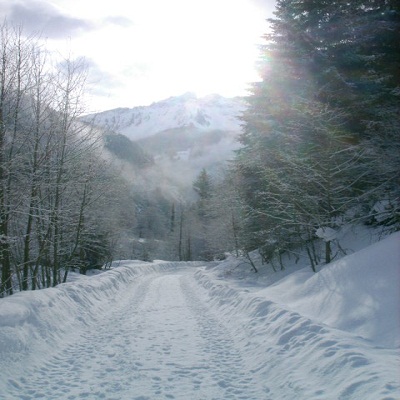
(328, 252)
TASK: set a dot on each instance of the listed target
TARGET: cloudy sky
(141, 51)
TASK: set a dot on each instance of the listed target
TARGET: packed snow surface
(166, 330)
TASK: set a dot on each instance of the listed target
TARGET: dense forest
(321, 136)
(320, 149)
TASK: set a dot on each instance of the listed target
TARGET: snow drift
(359, 293)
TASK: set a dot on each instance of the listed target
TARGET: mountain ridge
(209, 113)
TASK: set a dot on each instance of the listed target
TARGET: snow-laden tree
(315, 130)
(56, 189)
(224, 224)
(15, 55)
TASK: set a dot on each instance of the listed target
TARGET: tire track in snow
(160, 342)
(92, 367)
(226, 361)
(183, 350)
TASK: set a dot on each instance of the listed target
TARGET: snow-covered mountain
(180, 135)
(210, 113)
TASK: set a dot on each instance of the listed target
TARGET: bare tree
(15, 53)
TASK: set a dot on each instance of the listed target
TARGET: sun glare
(173, 47)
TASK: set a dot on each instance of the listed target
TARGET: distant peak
(183, 98)
(188, 96)
(213, 96)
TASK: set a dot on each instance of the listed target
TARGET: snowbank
(34, 321)
(297, 318)
(359, 293)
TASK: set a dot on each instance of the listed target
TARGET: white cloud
(143, 51)
(45, 18)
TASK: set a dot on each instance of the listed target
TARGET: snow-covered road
(171, 331)
(160, 342)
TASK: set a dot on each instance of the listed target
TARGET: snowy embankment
(181, 330)
(33, 323)
(332, 335)
(359, 293)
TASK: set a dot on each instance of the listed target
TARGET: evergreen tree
(309, 151)
(204, 189)
(202, 185)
